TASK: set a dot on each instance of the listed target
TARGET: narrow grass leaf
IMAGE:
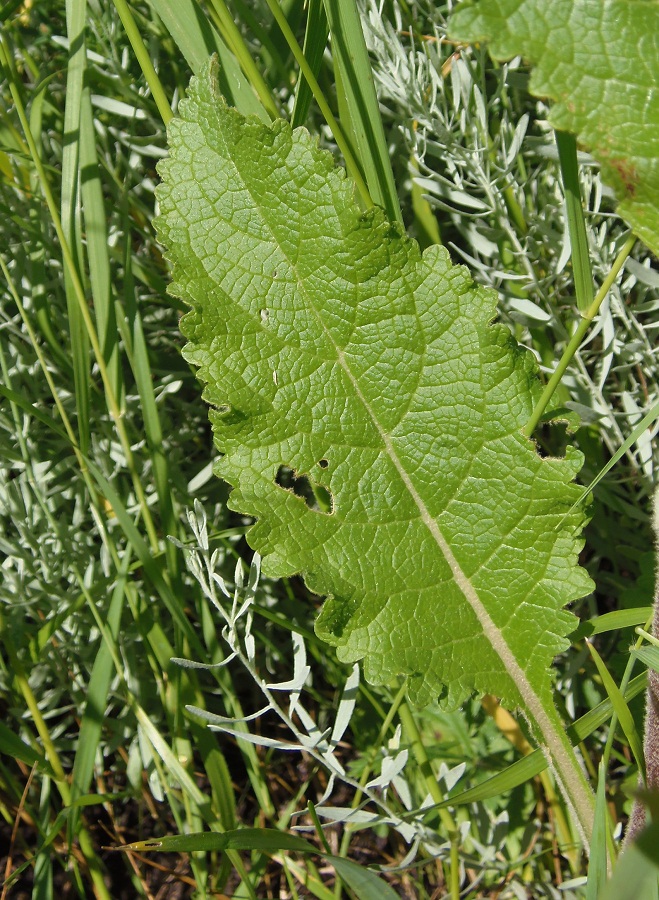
(234, 39)
(152, 568)
(198, 802)
(23, 403)
(12, 746)
(96, 233)
(425, 221)
(649, 419)
(529, 766)
(613, 621)
(70, 212)
(267, 840)
(135, 344)
(197, 39)
(315, 41)
(97, 694)
(621, 710)
(309, 878)
(648, 655)
(219, 777)
(597, 862)
(361, 102)
(366, 884)
(576, 222)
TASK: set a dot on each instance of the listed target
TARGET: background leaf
(599, 61)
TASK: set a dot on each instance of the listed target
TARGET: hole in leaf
(317, 497)
(265, 315)
(323, 463)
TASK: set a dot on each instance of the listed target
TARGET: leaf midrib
(491, 631)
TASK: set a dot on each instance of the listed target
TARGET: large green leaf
(330, 346)
(599, 61)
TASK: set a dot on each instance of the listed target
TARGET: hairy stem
(651, 742)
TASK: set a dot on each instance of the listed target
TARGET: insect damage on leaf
(395, 397)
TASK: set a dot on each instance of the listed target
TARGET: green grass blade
(426, 227)
(70, 211)
(43, 860)
(9, 8)
(315, 41)
(365, 123)
(219, 777)
(575, 342)
(613, 621)
(343, 144)
(268, 840)
(576, 221)
(236, 43)
(23, 403)
(597, 864)
(36, 258)
(364, 882)
(137, 352)
(272, 54)
(152, 568)
(11, 745)
(97, 696)
(621, 709)
(95, 219)
(143, 58)
(197, 40)
(647, 420)
(648, 655)
(74, 281)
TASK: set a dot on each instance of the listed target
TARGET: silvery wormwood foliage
(235, 607)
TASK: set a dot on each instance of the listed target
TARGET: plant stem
(414, 737)
(510, 729)
(587, 317)
(143, 58)
(366, 774)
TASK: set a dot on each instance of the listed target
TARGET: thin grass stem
(577, 337)
(144, 59)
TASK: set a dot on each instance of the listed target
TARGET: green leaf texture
(598, 60)
(329, 345)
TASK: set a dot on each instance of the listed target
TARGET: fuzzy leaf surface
(329, 345)
(598, 60)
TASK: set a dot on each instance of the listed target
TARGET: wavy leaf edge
(253, 490)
